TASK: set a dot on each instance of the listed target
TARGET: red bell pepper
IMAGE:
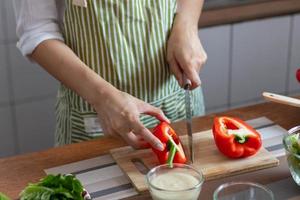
(234, 138)
(173, 150)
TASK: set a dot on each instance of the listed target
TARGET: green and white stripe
(125, 43)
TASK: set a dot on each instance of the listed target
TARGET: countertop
(219, 12)
(16, 172)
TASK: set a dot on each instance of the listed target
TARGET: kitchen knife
(188, 110)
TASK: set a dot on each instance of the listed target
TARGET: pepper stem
(240, 135)
(240, 139)
(171, 155)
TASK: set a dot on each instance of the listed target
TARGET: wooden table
(16, 172)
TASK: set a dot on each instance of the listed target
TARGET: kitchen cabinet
(215, 73)
(259, 59)
(293, 84)
(36, 125)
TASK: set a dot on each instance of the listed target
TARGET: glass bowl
(292, 153)
(242, 191)
(177, 183)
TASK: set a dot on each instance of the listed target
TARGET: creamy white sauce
(175, 181)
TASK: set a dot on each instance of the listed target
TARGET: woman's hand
(185, 54)
(119, 116)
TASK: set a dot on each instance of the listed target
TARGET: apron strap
(81, 3)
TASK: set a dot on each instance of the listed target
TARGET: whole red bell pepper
(234, 138)
(173, 150)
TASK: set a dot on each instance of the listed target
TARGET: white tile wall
(247, 103)
(28, 125)
(294, 85)
(4, 85)
(260, 53)
(11, 22)
(7, 142)
(2, 16)
(215, 73)
(29, 80)
(36, 125)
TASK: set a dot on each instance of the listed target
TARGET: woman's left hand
(185, 54)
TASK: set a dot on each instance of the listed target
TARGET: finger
(175, 69)
(135, 141)
(196, 83)
(143, 142)
(204, 57)
(203, 54)
(188, 66)
(155, 112)
(200, 61)
(190, 70)
(139, 129)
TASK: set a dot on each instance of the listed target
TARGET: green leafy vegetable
(294, 146)
(3, 197)
(59, 187)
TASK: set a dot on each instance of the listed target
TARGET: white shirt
(37, 21)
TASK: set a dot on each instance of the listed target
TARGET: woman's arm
(118, 111)
(62, 63)
(41, 40)
(185, 52)
(188, 12)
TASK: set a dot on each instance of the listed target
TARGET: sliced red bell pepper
(173, 150)
(234, 138)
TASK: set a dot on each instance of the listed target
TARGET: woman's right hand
(119, 115)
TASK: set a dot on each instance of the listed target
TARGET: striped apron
(124, 41)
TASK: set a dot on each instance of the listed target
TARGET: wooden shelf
(258, 9)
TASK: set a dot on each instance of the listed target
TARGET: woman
(114, 59)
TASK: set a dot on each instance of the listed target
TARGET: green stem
(240, 135)
(171, 155)
(241, 139)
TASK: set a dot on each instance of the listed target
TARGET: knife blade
(188, 111)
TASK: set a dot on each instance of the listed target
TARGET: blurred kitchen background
(244, 59)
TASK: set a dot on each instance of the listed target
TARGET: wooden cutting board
(207, 159)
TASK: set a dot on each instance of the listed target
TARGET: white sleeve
(37, 21)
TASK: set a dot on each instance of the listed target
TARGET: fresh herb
(3, 197)
(294, 144)
(59, 187)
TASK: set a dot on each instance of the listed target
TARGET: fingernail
(159, 146)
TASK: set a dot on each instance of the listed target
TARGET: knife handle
(282, 99)
(186, 82)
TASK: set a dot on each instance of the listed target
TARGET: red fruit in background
(298, 75)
